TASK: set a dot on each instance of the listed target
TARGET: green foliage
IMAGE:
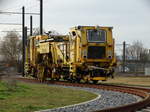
(10, 87)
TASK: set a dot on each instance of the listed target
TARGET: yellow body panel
(99, 78)
(32, 50)
(44, 48)
(79, 50)
(81, 44)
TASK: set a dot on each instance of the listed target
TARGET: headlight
(84, 53)
(109, 54)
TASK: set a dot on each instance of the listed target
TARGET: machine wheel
(95, 81)
(57, 79)
(78, 80)
(87, 81)
(41, 73)
(33, 72)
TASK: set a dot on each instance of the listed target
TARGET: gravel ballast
(105, 99)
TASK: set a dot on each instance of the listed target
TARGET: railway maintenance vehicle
(86, 53)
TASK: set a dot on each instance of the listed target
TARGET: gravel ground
(108, 99)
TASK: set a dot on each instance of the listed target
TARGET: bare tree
(11, 48)
(136, 51)
(36, 31)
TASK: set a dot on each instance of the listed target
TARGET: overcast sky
(130, 18)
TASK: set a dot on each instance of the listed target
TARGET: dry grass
(142, 81)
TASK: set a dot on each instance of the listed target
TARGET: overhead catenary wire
(15, 24)
(12, 31)
(16, 7)
(10, 12)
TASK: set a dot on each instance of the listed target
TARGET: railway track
(140, 106)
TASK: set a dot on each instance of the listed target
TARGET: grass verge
(27, 97)
(137, 81)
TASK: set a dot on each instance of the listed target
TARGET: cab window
(96, 35)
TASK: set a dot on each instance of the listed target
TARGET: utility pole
(25, 37)
(23, 40)
(124, 56)
(31, 25)
(41, 17)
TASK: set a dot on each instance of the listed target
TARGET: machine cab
(93, 43)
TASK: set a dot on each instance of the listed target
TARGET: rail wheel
(78, 80)
(95, 81)
(41, 73)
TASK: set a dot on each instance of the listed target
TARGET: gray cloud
(146, 3)
(130, 18)
(2, 2)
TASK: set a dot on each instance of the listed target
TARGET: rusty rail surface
(142, 92)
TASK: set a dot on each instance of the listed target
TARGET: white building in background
(1, 57)
(147, 71)
(149, 55)
(147, 68)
